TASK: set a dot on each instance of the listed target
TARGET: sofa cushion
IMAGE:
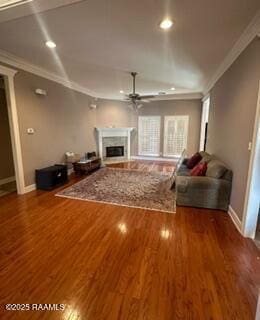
(199, 170)
(205, 157)
(204, 153)
(195, 159)
(216, 169)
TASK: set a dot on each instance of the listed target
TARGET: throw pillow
(199, 170)
(195, 159)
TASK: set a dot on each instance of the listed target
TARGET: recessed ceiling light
(50, 44)
(166, 24)
(121, 91)
(173, 89)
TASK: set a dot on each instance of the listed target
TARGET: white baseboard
(30, 188)
(234, 217)
(7, 180)
(154, 158)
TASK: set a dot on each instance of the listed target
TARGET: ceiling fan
(136, 99)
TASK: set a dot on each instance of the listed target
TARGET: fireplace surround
(114, 137)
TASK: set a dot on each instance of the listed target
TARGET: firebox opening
(116, 151)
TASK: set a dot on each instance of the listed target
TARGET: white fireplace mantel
(114, 132)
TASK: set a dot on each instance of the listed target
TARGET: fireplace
(114, 137)
(115, 151)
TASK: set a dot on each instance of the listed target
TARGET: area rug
(131, 188)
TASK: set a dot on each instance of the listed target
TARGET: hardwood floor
(110, 262)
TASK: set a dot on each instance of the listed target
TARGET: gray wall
(7, 165)
(231, 119)
(114, 113)
(118, 114)
(191, 108)
(63, 121)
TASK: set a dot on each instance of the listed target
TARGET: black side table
(51, 177)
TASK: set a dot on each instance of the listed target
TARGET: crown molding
(167, 97)
(185, 95)
(13, 4)
(7, 71)
(180, 96)
(205, 97)
(252, 30)
(27, 8)
(19, 63)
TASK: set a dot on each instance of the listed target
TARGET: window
(149, 135)
(175, 135)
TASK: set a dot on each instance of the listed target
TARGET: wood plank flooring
(110, 262)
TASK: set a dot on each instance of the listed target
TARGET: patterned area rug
(131, 188)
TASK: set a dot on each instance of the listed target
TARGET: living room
(156, 123)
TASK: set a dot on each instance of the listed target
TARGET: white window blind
(175, 135)
(149, 135)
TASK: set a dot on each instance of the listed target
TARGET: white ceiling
(100, 41)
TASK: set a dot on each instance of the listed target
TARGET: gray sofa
(211, 191)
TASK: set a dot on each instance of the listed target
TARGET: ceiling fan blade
(145, 101)
(146, 97)
(139, 106)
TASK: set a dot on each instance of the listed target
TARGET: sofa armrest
(185, 160)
